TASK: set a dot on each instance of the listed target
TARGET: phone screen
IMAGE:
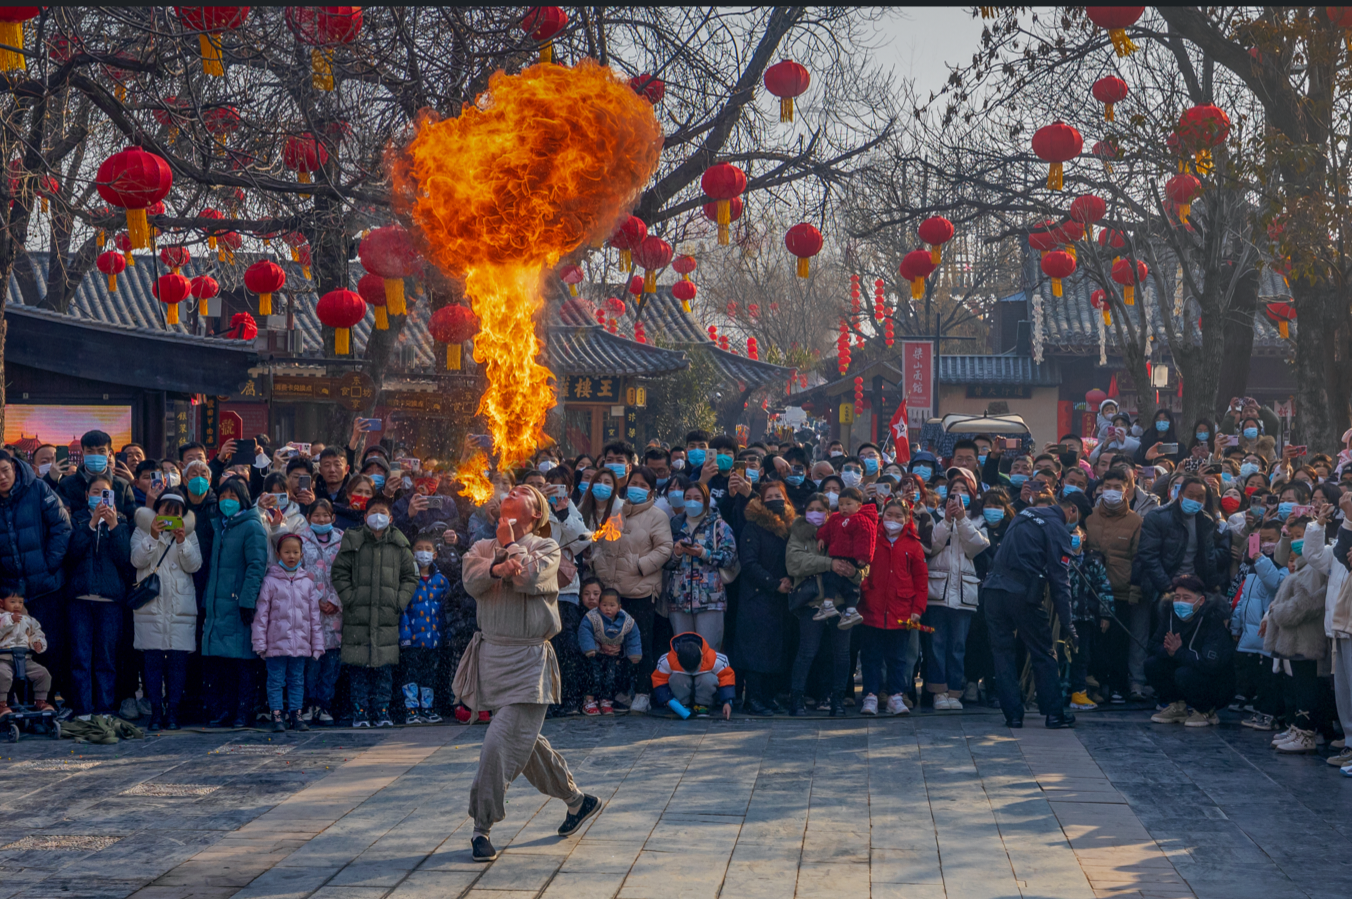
(303, 482)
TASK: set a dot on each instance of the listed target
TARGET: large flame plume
(540, 164)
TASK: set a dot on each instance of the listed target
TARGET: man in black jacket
(96, 447)
(1179, 538)
(1191, 661)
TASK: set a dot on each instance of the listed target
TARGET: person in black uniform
(1036, 547)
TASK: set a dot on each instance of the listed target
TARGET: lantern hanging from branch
(916, 266)
(1282, 314)
(204, 287)
(371, 287)
(1341, 17)
(133, 179)
(303, 254)
(209, 22)
(453, 325)
(1109, 90)
(212, 233)
(1112, 239)
(1200, 130)
(723, 183)
(752, 349)
(242, 327)
(685, 292)
(228, 245)
(323, 29)
(936, 231)
(803, 241)
(1181, 191)
(543, 24)
(1057, 144)
(1058, 265)
(123, 243)
(295, 240)
(1129, 278)
(572, 276)
(172, 289)
(652, 255)
(787, 80)
(112, 264)
(175, 258)
(264, 278)
(734, 213)
(626, 239)
(1088, 209)
(304, 154)
(1043, 237)
(11, 35)
(1067, 233)
(389, 252)
(1116, 20)
(649, 87)
(1107, 151)
(1099, 300)
(341, 310)
(684, 266)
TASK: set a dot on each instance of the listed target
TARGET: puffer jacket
(1207, 644)
(287, 621)
(169, 621)
(375, 577)
(952, 572)
(1164, 540)
(1295, 628)
(420, 625)
(1116, 533)
(34, 534)
(695, 584)
(898, 581)
(633, 563)
(98, 562)
(239, 562)
(573, 536)
(317, 558)
(802, 558)
(1255, 597)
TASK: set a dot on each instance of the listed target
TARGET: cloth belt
(466, 683)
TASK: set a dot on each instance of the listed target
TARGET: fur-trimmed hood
(779, 525)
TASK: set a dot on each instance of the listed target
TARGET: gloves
(246, 616)
(679, 709)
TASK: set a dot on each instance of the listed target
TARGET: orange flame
(473, 482)
(540, 164)
(610, 530)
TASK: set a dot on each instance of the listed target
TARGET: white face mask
(424, 557)
(851, 478)
(175, 479)
(377, 521)
(545, 465)
(893, 527)
(44, 468)
(1112, 497)
(833, 498)
(677, 464)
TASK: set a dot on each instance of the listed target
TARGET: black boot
(796, 707)
(838, 704)
(156, 718)
(278, 725)
(171, 718)
(1064, 719)
(295, 722)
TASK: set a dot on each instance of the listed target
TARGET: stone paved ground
(937, 805)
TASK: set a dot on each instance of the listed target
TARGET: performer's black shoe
(483, 850)
(1014, 722)
(1065, 719)
(590, 806)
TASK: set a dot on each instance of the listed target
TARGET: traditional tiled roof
(588, 349)
(1021, 370)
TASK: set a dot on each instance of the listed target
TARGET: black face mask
(775, 505)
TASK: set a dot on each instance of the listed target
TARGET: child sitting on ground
(420, 632)
(1092, 614)
(849, 534)
(608, 636)
(692, 677)
(288, 629)
(19, 630)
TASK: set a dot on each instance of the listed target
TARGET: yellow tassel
(1203, 159)
(204, 308)
(786, 109)
(1056, 287)
(1054, 177)
(1108, 115)
(11, 34)
(341, 343)
(1089, 231)
(321, 69)
(1070, 250)
(138, 229)
(211, 241)
(101, 238)
(171, 314)
(43, 201)
(1107, 317)
(685, 306)
(112, 283)
(265, 304)
(723, 235)
(211, 55)
(917, 288)
(803, 271)
(650, 281)
(1108, 167)
(1283, 329)
(452, 357)
(305, 270)
(1129, 295)
(1121, 43)
(394, 296)
(382, 319)
(131, 260)
(626, 260)
(304, 177)
(935, 255)
(547, 52)
(572, 290)
(1184, 210)
(295, 254)
(120, 91)
(220, 255)
(725, 212)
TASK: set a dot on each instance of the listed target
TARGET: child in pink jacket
(288, 629)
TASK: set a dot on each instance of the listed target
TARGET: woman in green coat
(239, 561)
(375, 577)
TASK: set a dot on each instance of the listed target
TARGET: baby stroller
(24, 714)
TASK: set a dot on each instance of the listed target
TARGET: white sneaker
(1299, 741)
(1347, 770)
(954, 704)
(307, 714)
(143, 706)
(850, 619)
(641, 704)
(1174, 713)
(896, 705)
(870, 705)
(941, 702)
(828, 610)
(1283, 736)
(323, 716)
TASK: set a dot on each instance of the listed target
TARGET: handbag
(148, 587)
(810, 589)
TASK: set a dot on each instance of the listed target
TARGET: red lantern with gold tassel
(210, 22)
(685, 292)
(787, 80)
(1057, 143)
(389, 252)
(324, 29)
(453, 325)
(1200, 130)
(1057, 265)
(175, 258)
(722, 183)
(803, 241)
(264, 278)
(1282, 314)
(684, 266)
(1116, 20)
(372, 290)
(1109, 90)
(133, 179)
(936, 231)
(341, 310)
(172, 289)
(304, 154)
(204, 287)
(1124, 274)
(631, 232)
(734, 213)
(112, 264)
(572, 276)
(916, 266)
(652, 255)
(1181, 191)
(543, 24)
(1099, 300)
(1088, 209)
(11, 35)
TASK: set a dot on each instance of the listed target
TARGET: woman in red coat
(893, 596)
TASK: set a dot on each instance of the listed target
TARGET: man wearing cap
(510, 667)
(1191, 661)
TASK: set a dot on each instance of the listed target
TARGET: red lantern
(172, 289)
(916, 266)
(1200, 130)
(803, 241)
(1109, 90)
(204, 287)
(1043, 237)
(389, 253)
(685, 292)
(649, 87)
(752, 348)
(264, 278)
(371, 288)
(171, 113)
(684, 265)
(341, 310)
(242, 327)
(572, 276)
(753, 310)
(111, 264)
(210, 21)
(786, 80)
(730, 309)
(1057, 265)
(175, 257)
(1181, 190)
(1283, 314)
(1116, 19)
(304, 154)
(640, 333)
(723, 183)
(11, 35)
(627, 237)
(1057, 143)
(1107, 151)
(653, 254)
(1088, 209)
(1124, 274)
(936, 231)
(713, 332)
(220, 120)
(123, 244)
(212, 233)
(229, 243)
(636, 285)
(615, 306)
(323, 28)
(1099, 300)
(303, 255)
(452, 325)
(1112, 239)
(132, 180)
(543, 23)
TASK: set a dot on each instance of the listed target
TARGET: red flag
(900, 434)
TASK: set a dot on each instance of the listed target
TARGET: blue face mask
(795, 480)
(636, 495)
(286, 567)
(1189, 506)
(993, 516)
(923, 472)
(378, 480)
(322, 528)
(1183, 610)
(1161, 426)
(229, 507)
(966, 500)
(693, 510)
(1284, 510)
(1075, 541)
(1247, 469)
(1227, 478)
(942, 490)
(724, 462)
(198, 486)
(1203, 436)
(662, 482)
(96, 463)
(94, 501)
(1298, 547)
(1250, 433)
(1070, 488)
(695, 457)
(870, 465)
(753, 475)
(676, 501)
(981, 460)
(618, 469)
(601, 491)
(1018, 480)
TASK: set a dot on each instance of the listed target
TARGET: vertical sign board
(918, 362)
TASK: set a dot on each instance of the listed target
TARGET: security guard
(1036, 548)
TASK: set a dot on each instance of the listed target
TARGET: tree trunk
(1322, 374)
(1233, 379)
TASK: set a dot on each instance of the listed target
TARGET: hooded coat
(375, 577)
(287, 622)
(1295, 627)
(1207, 644)
(34, 534)
(239, 562)
(633, 564)
(169, 621)
(317, 557)
(897, 585)
(762, 610)
(1116, 532)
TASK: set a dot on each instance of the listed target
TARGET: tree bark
(1233, 379)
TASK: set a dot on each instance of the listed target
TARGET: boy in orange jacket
(692, 677)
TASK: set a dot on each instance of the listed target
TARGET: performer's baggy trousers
(514, 746)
